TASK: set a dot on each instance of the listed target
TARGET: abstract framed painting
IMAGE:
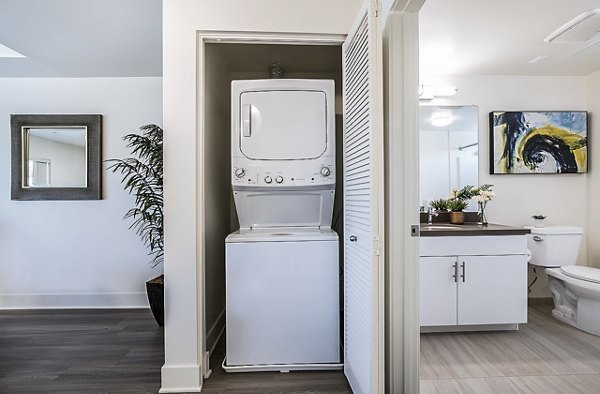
(538, 142)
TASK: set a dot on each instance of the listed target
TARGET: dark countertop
(447, 229)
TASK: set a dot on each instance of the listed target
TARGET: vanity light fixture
(441, 119)
(429, 92)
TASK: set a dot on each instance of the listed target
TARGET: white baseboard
(482, 327)
(73, 301)
(182, 378)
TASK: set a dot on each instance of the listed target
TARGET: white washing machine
(282, 266)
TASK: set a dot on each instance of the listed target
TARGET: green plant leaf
(143, 178)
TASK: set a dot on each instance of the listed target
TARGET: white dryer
(282, 266)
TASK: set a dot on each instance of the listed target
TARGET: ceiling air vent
(592, 49)
(582, 28)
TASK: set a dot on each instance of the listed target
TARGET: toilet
(575, 289)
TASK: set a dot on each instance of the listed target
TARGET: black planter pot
(155, 289)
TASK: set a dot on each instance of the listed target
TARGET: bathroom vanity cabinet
(473, 282)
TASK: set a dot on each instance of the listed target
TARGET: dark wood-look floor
(117, 351)
(271, 382)
(75, 351)
(121, 351)
(544, 356)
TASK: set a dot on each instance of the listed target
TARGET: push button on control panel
(268, 179)
(279, 179)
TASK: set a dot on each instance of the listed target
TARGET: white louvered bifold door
(363, 191)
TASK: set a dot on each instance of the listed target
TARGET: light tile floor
(543, 356)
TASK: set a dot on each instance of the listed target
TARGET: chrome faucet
(430, 214)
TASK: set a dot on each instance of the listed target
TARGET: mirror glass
(55, 157)
(448, 151)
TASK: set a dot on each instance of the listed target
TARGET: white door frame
(226, 37)
(401, 81)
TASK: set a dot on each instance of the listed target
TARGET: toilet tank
(554, 246)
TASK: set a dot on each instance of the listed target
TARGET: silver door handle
(462, 265)
(353, 238)
(455, 276)
(537, 238)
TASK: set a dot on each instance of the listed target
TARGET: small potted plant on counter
(539, 220)
(143, 177)
(458, 201)
(456, 206)
(440, 205)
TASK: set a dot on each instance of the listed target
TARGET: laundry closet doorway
(223, 57)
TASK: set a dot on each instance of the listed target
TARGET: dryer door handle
(246, 120)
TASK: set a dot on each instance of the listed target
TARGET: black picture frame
(93, 125)
(538, 142)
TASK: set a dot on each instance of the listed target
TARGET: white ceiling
(491, 37)
(103, 38)
(82, 38)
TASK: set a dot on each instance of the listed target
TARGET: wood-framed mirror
(56, 157)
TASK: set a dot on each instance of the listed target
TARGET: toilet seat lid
(584, 273)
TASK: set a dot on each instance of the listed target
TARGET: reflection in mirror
(54, 157)
(448, 151)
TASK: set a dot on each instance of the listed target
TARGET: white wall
(183, 166)
(74, 253)
(563, 198)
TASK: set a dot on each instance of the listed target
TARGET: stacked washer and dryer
(282, 265)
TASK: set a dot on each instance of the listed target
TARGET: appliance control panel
(286, 176)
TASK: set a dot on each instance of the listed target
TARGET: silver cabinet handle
(353, 238)
(455, 276)
(463, 276)
(537, 238)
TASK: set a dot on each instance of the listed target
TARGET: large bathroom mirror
(56, 157)
(448, 150)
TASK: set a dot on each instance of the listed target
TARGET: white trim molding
(401, 40)
(182, 378)
(73, 301)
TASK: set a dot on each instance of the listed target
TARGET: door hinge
(375, 8)
(377, 245)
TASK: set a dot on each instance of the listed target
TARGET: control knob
(268, 179)
(279, 179)
(325, 171)
(240, 172)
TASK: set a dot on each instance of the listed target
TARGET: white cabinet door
(437, 291)
(492, 289)
(363, 208)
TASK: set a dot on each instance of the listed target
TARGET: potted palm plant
(143, 177)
